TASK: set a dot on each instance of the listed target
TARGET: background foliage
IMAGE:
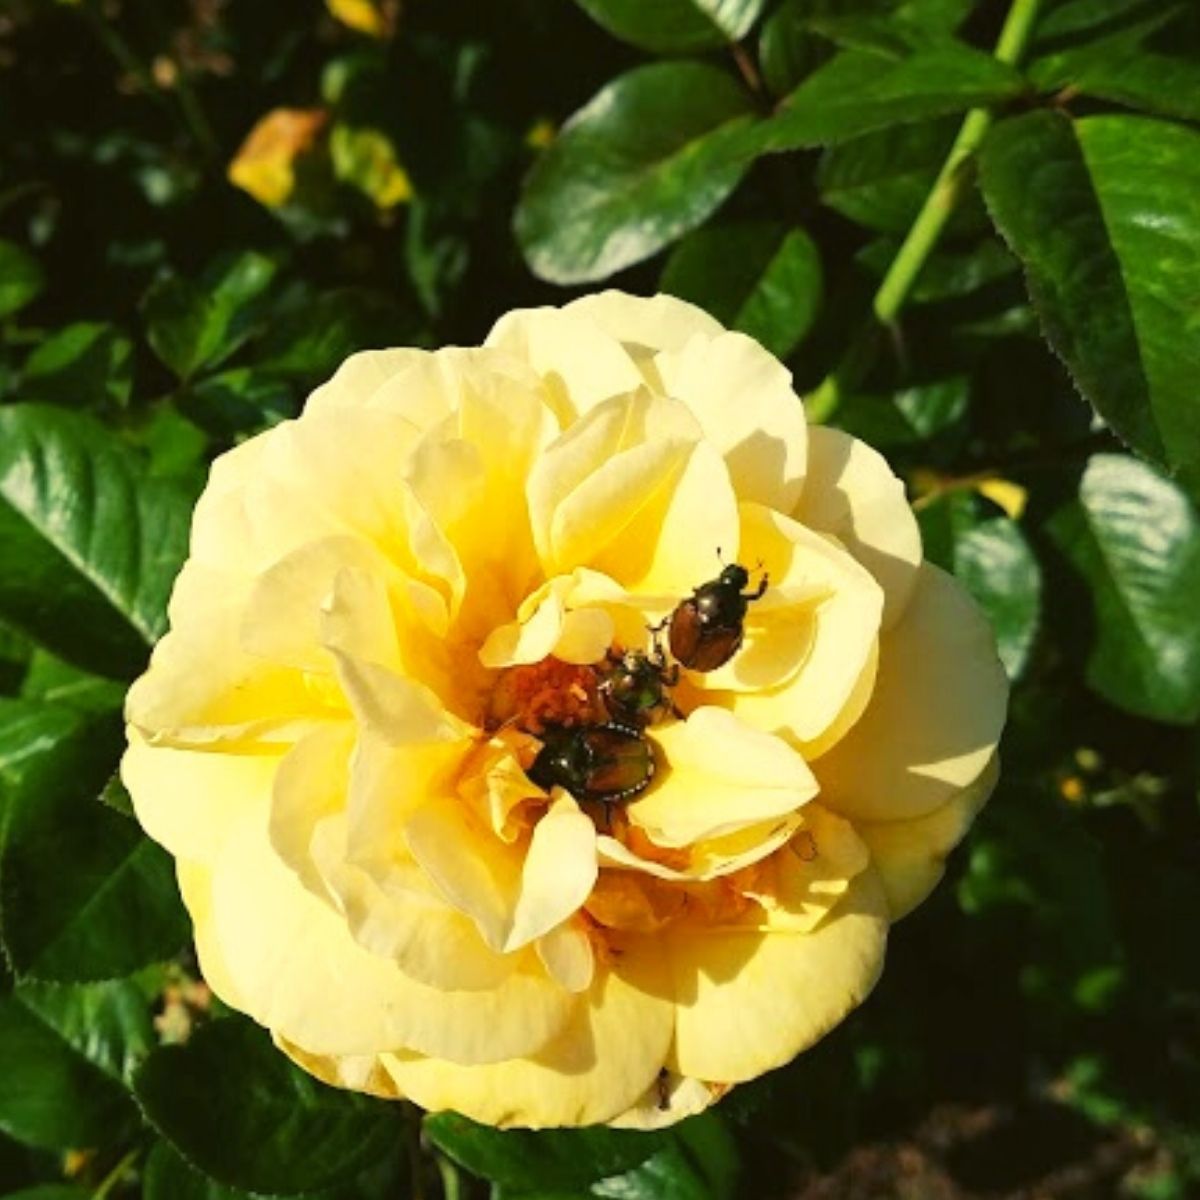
(206, 204)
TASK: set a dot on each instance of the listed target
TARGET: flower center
(547, 693)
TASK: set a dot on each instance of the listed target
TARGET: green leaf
(108, 1023)
(909, 417)
(52, 681)
(1124, 71)
(946, 274)
(675, 26)
(50, 1191)
(168, 1177)
(650, 157)
(787, 48)
(759, 277)
(881, 180)
(198, 325)
(240, 400)
(311, 338)
(89, 547)
(1136, 540)
(51, 1095)
(84, 895)
(83, 365)
(993, 561)
(1104, 213)
(545, 1160)
(857, 92)
(21, 278)
(237, 1109)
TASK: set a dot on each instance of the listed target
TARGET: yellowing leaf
(365, 16)
(265, 164)
(1009, 496)
(366, 159)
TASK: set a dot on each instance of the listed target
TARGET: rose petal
(603, 1060)
(750, 1002)
(718, 775)
(910, 856)
(934, 717)
(743, 399)
(852, 493)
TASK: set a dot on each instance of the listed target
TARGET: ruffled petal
(749, 1002)
(852, 493)
(718, 775)
(935, 714)
(743, 398)
(655, 323)
(295, 968)
(604, 1059)
(910, 856)
(580, 364)
(188, 800)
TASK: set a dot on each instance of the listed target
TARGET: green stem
(943, 198)
(452, 1181)
(115, 1176)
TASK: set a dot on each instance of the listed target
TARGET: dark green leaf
(908, 417)
(50, 1191)
(1136, 539)
(82, 366)
(675, 26)
(89, 547)
(544, 1161)
(50, 1094)
(759, 277)
(650, 157)
(198, 325)
(700, 1163)
(857, 92)
(1121, 68)
(1105, 215)
(311, 338)
(21, 278)
(787, 48)
(52, 681)
(240, 400)
(84, 895)
(992, 559)
(946, 274)
(108, 1023)
(232, 1105)
(881, 180)
(168, 1177)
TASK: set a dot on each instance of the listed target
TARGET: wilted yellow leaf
(1008, 495)
(365, 16)
(366, 159)
(265, 164)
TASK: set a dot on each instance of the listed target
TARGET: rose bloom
(390, 598)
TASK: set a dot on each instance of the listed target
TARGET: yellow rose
(393, 603)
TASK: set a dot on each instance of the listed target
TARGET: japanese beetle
(635, 686)
(706, 628)
(608, 763)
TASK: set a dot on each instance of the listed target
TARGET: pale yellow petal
(851, 492)
(188, 800)
(743, 399)
(604, 1059)
(579, 363)
(195, 889)
(566, 953)
(655, 322)
(910, 856)
(354, 1072)
(934, 717)
(749, 1002)
(674, 540)
(361, 375)
(717, 775)
(669, 1099)
(296, 969)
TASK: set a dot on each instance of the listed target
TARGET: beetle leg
(762, 587)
